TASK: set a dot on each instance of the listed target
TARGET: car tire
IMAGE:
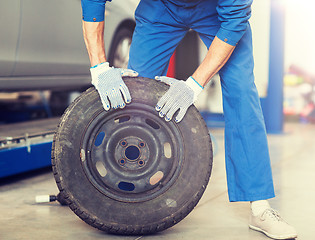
(121, 191)
(119, 51)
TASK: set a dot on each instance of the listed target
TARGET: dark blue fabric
(233, 14)
(160, 25)
(93, 10)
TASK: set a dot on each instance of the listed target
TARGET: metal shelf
(26, 146)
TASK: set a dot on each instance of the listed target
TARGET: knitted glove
(180, 96)
(110, 86)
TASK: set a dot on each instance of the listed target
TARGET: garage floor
(293, 162)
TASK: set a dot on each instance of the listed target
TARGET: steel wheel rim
(155, 160)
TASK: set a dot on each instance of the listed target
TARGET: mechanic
(224, 28)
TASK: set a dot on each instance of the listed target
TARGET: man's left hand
(180, 96)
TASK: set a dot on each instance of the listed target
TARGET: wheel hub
(132, 154)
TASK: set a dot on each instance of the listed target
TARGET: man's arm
(93, 29)
(234, 16)
(93, 33)
(182, 94)
(107, 80)
(218, 54)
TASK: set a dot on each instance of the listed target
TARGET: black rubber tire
(62, 200)
(115, 57)
(120, 211)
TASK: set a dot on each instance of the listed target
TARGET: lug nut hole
(123, 143)
(122, 161)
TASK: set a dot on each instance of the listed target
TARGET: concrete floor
(293, 162)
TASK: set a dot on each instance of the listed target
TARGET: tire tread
(114, 228)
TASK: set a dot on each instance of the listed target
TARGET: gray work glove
(180, 96)
(110, 86)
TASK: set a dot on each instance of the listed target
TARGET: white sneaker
(271, 224)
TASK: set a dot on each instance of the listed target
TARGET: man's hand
(107, 80)
(110, 86)
(180, 96)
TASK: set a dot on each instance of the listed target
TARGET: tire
(119, 51)
(129, 192)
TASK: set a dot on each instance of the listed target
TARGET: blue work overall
(160, 26)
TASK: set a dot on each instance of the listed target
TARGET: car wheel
(128, 171)
(119, 53)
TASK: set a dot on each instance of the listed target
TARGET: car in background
(42, 46)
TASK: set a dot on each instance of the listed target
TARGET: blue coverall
(160, 25)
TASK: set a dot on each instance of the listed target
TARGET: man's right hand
(110, 86)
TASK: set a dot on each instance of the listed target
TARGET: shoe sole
(271, 235)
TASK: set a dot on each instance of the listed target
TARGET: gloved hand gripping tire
(110, 86)
(180, 96)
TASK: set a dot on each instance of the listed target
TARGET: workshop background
(44, 66)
